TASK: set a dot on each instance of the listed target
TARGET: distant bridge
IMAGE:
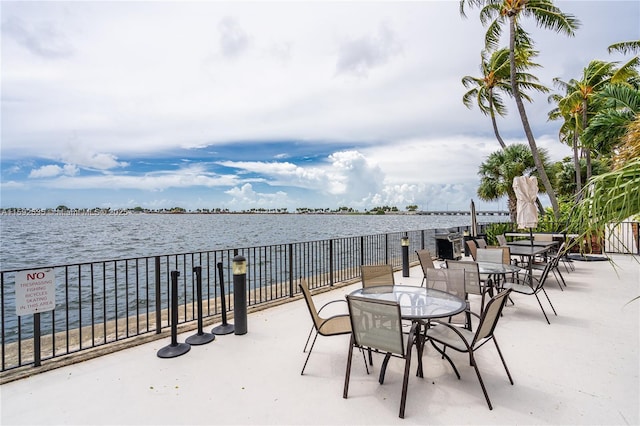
(463, 213)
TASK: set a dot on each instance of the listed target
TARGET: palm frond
(625, 47)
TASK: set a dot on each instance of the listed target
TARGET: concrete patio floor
(581, 369)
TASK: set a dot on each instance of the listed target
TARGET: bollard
(404, 242)
(223, 328)
(240, 294)
(200, 338)
(175, 349)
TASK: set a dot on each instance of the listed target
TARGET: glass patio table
(417, 304)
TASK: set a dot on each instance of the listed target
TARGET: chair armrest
(331, 303)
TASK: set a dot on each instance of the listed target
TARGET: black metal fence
(101, 303)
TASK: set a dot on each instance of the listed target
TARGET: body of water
(49, 240)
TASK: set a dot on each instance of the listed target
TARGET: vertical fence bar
(37, 353)
(158, 297)
(291, 273)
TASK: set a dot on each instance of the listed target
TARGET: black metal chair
(377, 326)
(531, 286)
(463, 340)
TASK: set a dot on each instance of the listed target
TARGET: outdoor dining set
(392, 319)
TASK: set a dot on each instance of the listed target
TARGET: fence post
(158, 298)
(291, 274)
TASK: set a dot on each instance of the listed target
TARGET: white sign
(35, 291)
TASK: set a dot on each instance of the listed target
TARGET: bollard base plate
(200, 339)
(173, 351)
(223, 329)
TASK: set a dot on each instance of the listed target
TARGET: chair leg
(309, 354)
(484, 390)
(444, 355)
(348, 372)
(308, 338)
(549, 300)
(541, 307)
(405, 383)
(503, 361)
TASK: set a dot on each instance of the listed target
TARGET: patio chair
(555, 260)
(481, 243)
(330, 326)
(426, 262)
(451, 281)
(465, 341)
(536, 286)
(502, 240)
(473, 248)
(375, 275)
(473, 281)
(377, 326)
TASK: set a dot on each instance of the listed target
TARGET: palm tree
(620, 106)
(495, 78)
(499, 169)
(497, 13)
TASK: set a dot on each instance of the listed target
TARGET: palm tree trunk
(584, 126)
(576, 165)
(542, 173)
(493, 121)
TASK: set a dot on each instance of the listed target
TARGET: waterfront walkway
(581, 369)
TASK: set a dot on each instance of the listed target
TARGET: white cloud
(246, 196)
(53, 170)
(357, 56)
(233, 39)
(180, 75)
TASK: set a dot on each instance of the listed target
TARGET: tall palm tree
(495, 79)
(569, 130)
(497, 13)
(499, 169)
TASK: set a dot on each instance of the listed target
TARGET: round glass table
(416, 302)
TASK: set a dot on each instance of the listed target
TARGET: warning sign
(35, 291)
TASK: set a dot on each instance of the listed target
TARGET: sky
(240, 105)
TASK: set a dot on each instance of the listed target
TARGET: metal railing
(102, 303)
(98, 304)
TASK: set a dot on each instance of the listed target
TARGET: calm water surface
(36, 241)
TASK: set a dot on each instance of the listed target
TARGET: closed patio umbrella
(474, 220)
(526, 189)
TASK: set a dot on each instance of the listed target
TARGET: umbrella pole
(531, 236)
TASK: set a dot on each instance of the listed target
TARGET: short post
(224, 328)
(404, 242)
(240, 294)
(200, 338)
(175, 349)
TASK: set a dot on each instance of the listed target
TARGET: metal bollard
(404, 242)
(240, 294)
(174, 349)
(200, 338)
(224, 328)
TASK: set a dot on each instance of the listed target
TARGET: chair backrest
(304, 288)
(473, 248)
(489, 255)
(543, 237)
(375, 275)
(376, 324)
(426, 262)
(448, 280)
(490, 316)
(502, 240)
(472, 274)
(481, 243)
